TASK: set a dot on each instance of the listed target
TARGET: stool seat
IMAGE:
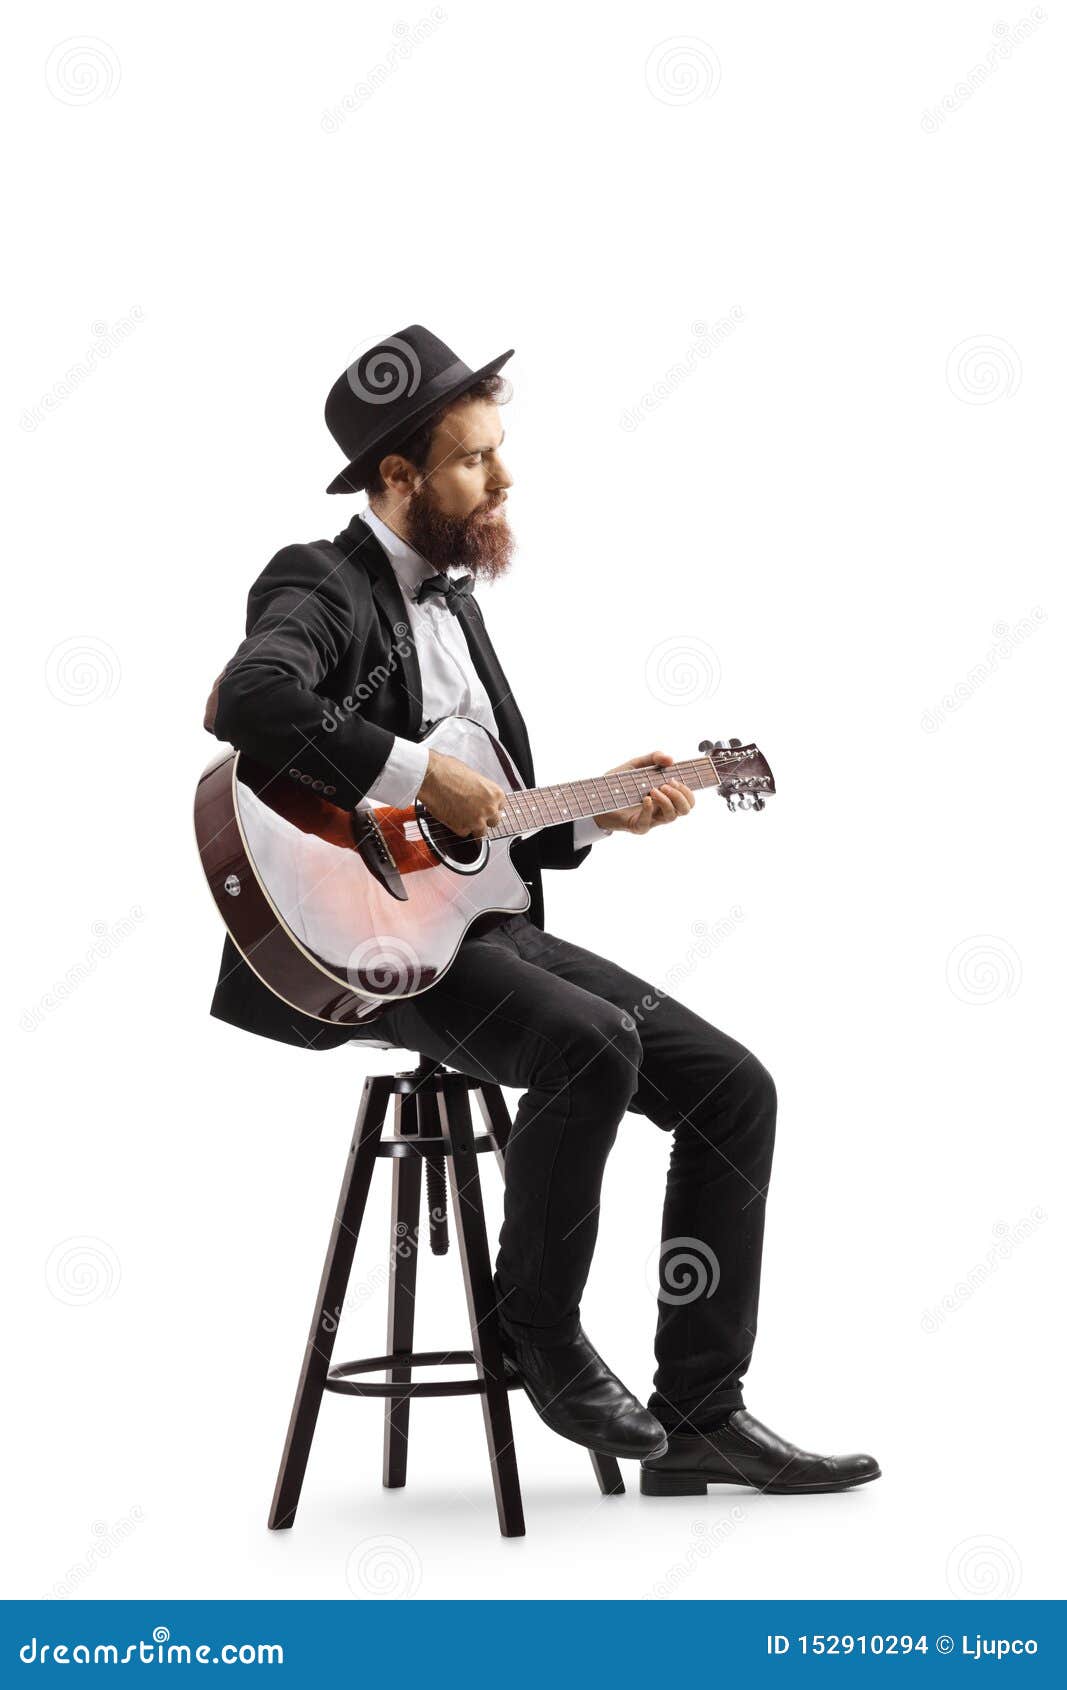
(417, 1146)
(433, 1130)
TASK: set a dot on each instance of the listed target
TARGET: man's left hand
(665, 803)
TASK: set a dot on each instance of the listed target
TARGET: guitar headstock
(743, 773)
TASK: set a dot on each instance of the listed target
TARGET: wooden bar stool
(433, 1128)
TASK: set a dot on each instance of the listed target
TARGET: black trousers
(586, 1041)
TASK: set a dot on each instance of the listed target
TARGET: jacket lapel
(360, 544)
(508, 718)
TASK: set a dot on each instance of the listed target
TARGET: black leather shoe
(742, 1451)
(575, 1393)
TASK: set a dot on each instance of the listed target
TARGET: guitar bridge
(369, 841)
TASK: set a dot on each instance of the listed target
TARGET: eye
(475, 459)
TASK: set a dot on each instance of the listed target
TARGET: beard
(483, 544)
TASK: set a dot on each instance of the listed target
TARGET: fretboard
(544, 806)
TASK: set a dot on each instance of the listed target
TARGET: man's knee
(763, 1091)
(602, 1052)
(745, 1093)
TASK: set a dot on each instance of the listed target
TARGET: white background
(813, 534)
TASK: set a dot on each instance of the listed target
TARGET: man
(353, 649)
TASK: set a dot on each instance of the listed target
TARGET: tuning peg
(707, 747)
(735, 745)
(733, 801)
(759, 803)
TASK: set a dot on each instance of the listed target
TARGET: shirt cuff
(404, 772)
(586, 832)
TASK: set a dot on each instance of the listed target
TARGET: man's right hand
(460, 797)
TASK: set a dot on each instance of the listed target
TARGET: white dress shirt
(450, 682)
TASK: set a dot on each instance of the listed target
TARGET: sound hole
(455, 847)
(465, 855)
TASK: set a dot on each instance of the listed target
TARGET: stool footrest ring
(340, 1378)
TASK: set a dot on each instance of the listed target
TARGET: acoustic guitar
(341, 911)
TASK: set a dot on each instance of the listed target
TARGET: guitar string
(439, 832)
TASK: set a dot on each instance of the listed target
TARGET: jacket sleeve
(554, 847)
(301, 621)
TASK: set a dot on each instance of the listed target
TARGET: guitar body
(339, 912)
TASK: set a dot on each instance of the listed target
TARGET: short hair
(416, 447)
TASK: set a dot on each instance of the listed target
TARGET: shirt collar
(409, 566)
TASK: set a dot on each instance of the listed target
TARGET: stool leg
(332, 1287)
(608, 1474)
(403, 1263)
(455, 1112)
(498, 1119)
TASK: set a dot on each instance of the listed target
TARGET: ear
(398, 473)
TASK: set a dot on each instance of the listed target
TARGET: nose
(501, 478)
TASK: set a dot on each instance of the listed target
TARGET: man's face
(455, 514)
(465, 473)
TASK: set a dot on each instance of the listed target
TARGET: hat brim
(355, 476)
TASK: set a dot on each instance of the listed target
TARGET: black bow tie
(451, 591)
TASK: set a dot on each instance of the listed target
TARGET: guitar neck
(545, 806)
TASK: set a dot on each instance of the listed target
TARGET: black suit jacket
(328, 639)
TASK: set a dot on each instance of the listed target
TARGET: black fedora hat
(388, 392)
